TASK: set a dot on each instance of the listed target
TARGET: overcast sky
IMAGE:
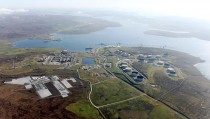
(190, 8)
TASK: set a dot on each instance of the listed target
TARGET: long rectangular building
(66, 83)
(63, 91)
(42, 90)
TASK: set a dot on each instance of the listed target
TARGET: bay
(130, 34)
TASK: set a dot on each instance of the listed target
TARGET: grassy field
(139, 108)
(123, 77)
(25, 59)
(111, 91)
(94, 76)
(7, 50)
(84, 109)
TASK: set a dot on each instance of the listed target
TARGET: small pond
(88, 61)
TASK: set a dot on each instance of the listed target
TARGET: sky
(188, 8)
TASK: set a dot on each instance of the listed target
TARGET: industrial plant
(46, 87)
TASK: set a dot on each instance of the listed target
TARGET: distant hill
(40, 26)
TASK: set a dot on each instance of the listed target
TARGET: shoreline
(197, 66)
(10, 43)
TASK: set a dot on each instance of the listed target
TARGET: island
(173, 34)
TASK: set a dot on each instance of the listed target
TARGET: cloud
(11, 11)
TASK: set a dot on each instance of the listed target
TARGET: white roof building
(73, 80)
(19, 81)
(55, 77)
(28, 86)
(127, 69)
(160, 62)
(63, 91)
(42, 90)
(170, 70)
(66, 83)
(43, 93)
(39, 84)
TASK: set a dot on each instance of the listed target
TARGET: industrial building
(123, 66)
(171, 72)
(160, 63)
(66, 83)
(45, 86)
(65, 57)
(134, 74)
(141, 57)
(108, 65)
(63, 91)
(139, 78)
(166, 65)
(127, 69)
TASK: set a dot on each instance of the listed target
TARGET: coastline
(195, 63)
(201, 68)
(191, 95)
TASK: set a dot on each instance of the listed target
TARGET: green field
(139, 108)
(92, 75)
(123, 77)
(111, 91)
(84, 109)
(7, 50)
(23, 57)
